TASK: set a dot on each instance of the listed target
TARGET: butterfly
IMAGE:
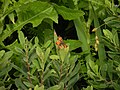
(60, 43)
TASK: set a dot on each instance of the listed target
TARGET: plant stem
(28, 66)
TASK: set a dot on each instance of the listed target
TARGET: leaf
(54, 57)
(5, 70)
(2, 52)
(93, 66)
(19, 51)
(47, 44)
(36, 64)
(56, 87)
(20, 70)
(67, 13)
(21, 38)
(32, 12)
(116, 86)
(74, 44)
(108, 34)
(11, 16)
(28, 84)
(39, 88)
(73, 80)
(40, 53)
(110, 69)
(47, 52)
(19, 84)
(36, 40)
(48, 74)
(63, 53)
(88, 88)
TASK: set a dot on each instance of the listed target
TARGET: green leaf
(110, 69)
(63, 53)
(47, 44)
(11, 16)
(116, 86)
(39, 88)
(19, 84)
(20, 70)
(19, 51)
(40, 53)
(36, 40)
(21, 38)
(93, 66)
(5, 70)
(48, 74)
(73, 80)
(47, 52)
(56, 87)
(73, 44)
(67, 13)
(36, 64)
(2, 52)
(108, 34)
(28, 84)
(54, 57)
(32, 12)
(88, 88)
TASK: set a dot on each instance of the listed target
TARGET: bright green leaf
(39, 88)
(54, 57)
(2, 52)
(21, 38)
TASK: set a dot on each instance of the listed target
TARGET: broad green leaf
(54, 57)
(32, 12)
(2, 52)
(21, 38)
(35, 12)
(67, 13)
(74, 44)
(39, 88)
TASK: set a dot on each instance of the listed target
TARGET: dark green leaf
(67, 13)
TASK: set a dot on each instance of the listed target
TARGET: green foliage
(30, 58)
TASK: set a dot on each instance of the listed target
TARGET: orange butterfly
(60, 43)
